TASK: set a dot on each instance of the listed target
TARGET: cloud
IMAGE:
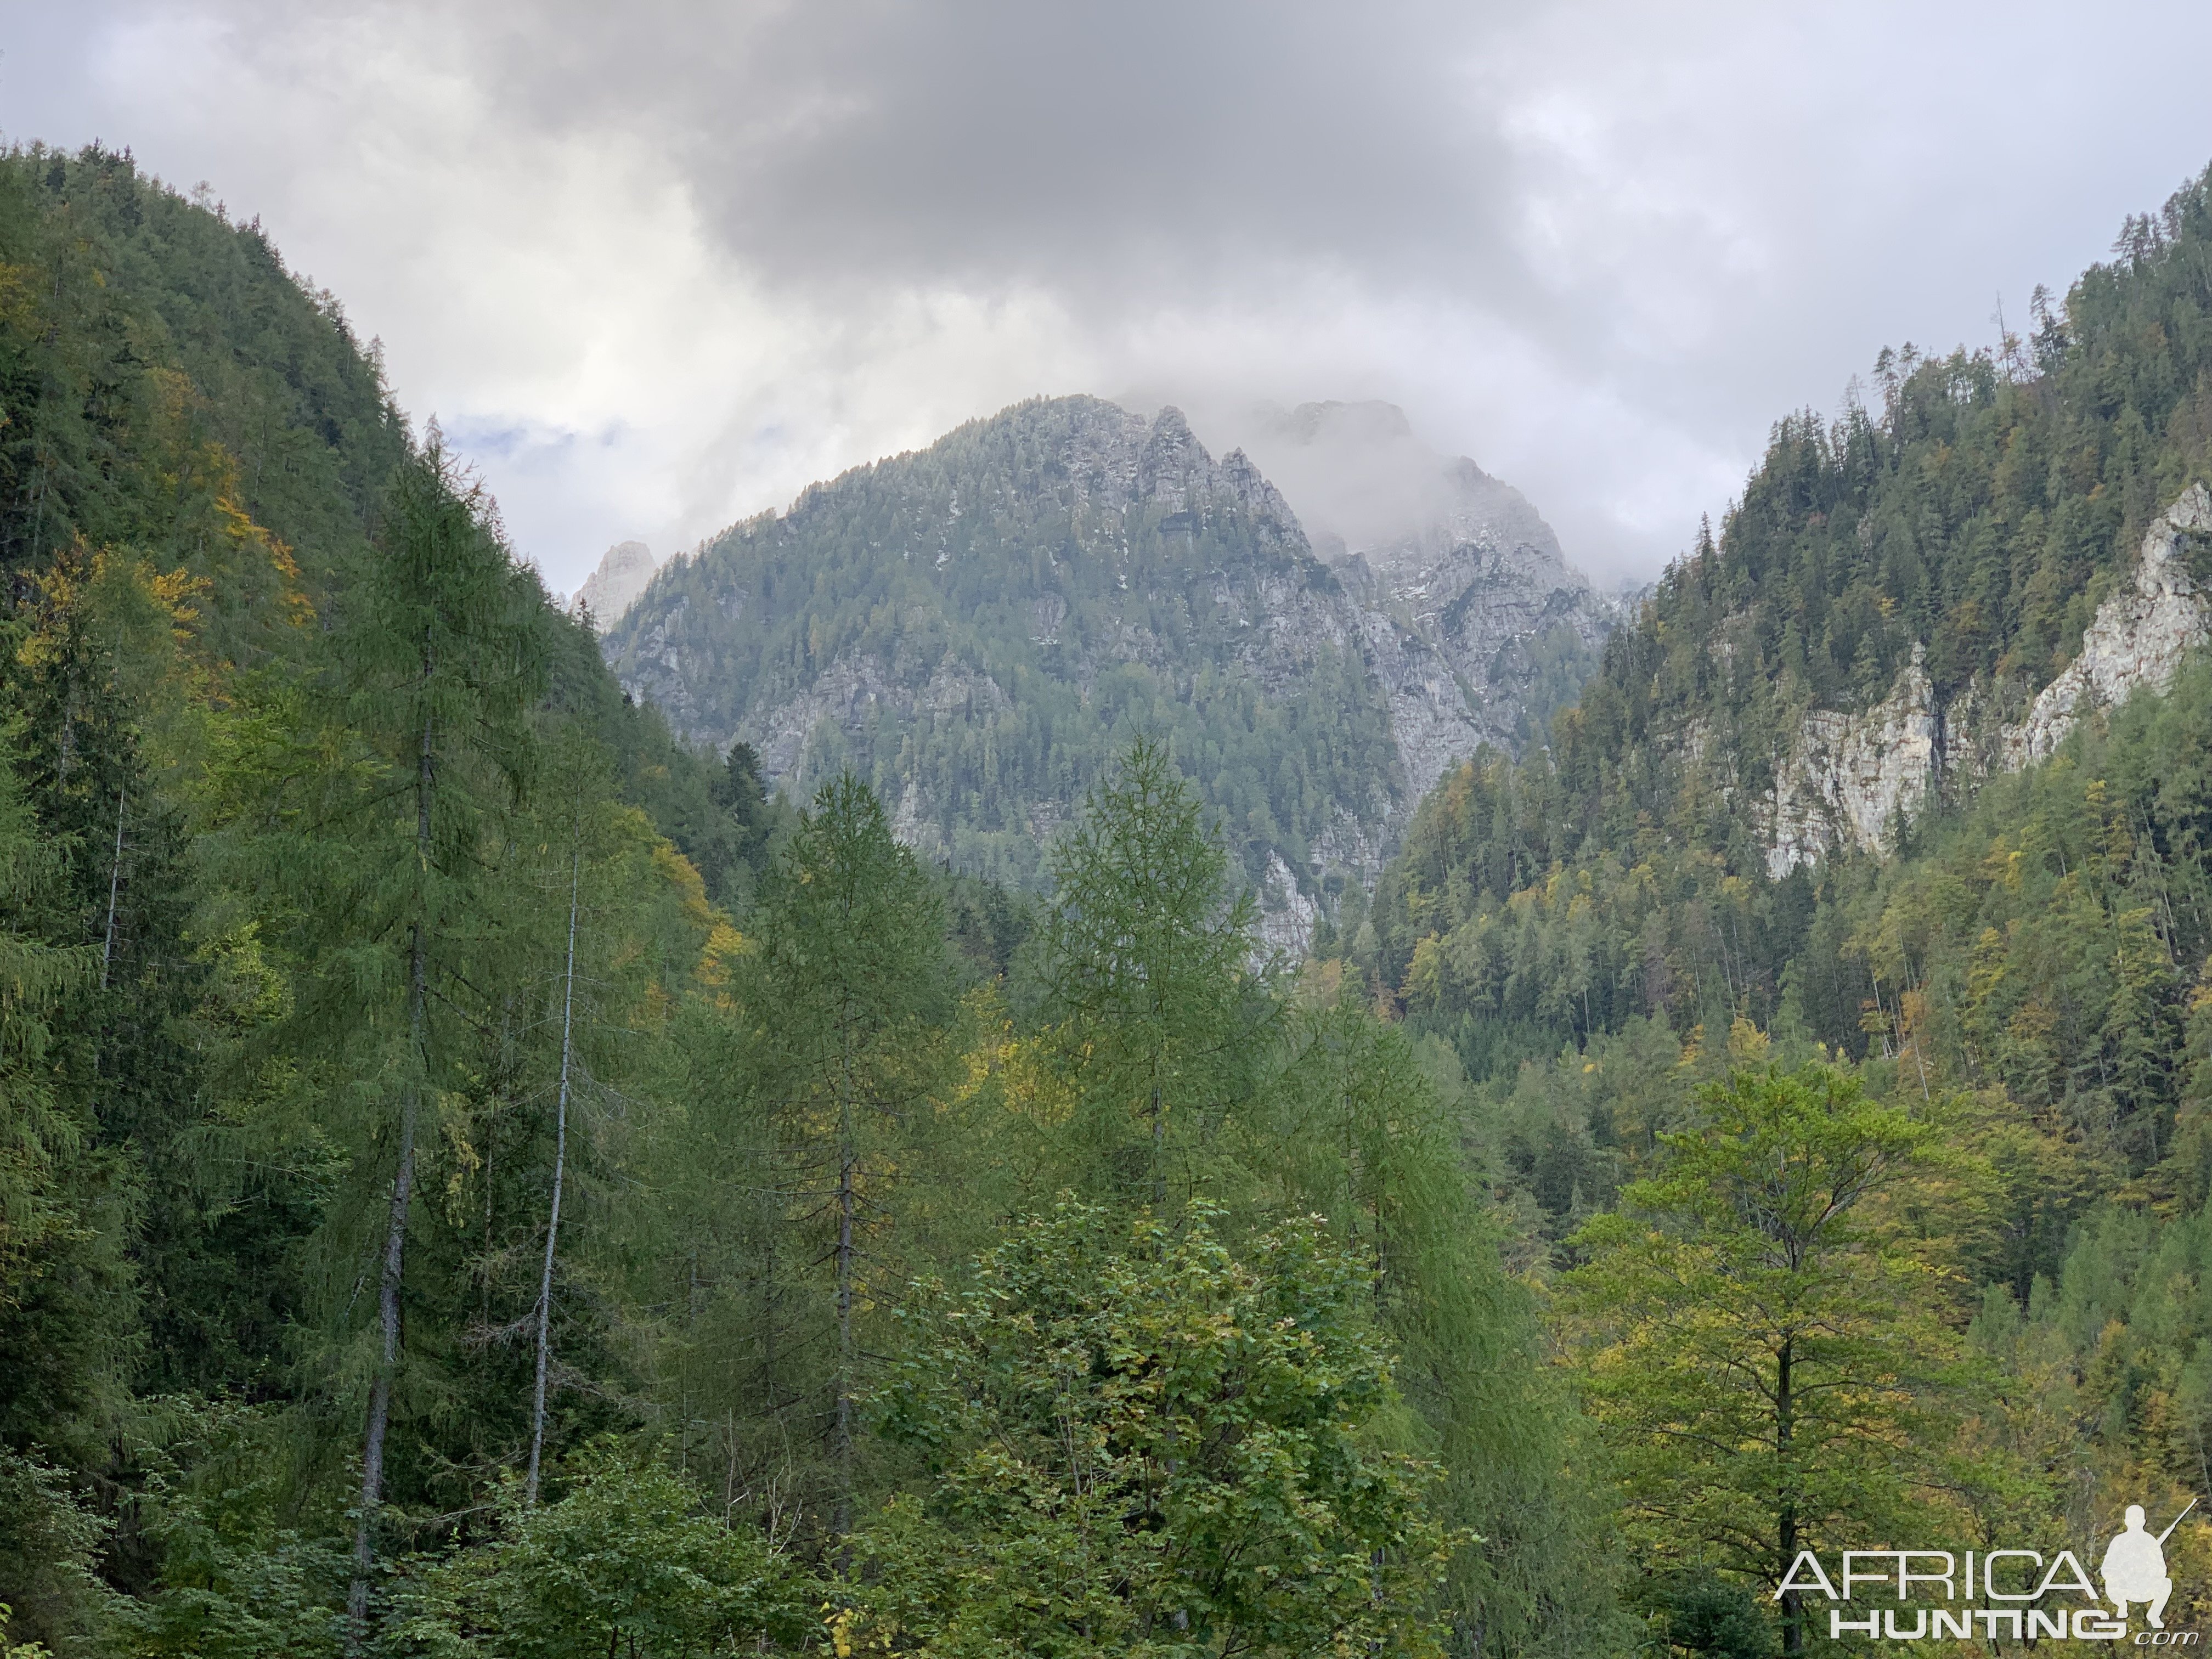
(657, 266)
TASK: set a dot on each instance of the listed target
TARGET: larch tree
(848, 975)
(1148, 972)
(1354, 1129)
(443, 657)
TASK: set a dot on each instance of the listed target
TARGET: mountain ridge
(977, 626)
(972, 613)
(1904, 605)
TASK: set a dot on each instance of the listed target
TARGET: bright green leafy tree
(1140, 1442)
(626, 1562)
(1764, 1339)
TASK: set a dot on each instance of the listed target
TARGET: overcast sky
(657, 266)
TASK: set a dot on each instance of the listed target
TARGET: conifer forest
(482, 1173)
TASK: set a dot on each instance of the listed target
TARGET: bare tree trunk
(387, 1311)
(1785, 1425)
(560, 1166)
(395, 1233)
(114, 884)
(1159, 1144)
(847, 1154)
(68, 751)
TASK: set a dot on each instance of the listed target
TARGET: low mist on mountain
(1095, 1038)
(977, 629)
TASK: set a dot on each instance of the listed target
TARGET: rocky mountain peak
(1364, 485)
(972, 625)
(623, 573)
(1477, 622)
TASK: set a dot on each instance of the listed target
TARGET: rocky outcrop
(1286, 913)
(2137, 638)
(1849, 775)
(1454, 623)
(1847, 778)
(853, 693)
(623, 572)
(1458, 583)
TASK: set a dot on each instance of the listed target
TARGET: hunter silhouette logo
(2002, 1593)
(2134, 1567)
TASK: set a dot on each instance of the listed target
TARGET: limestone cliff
(1846, 777)
(2137, 638)
(1477, 626)
(623, 574)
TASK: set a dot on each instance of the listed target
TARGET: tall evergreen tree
(1356, 1130)
(1148, 974)
(443, 657)
(848, 973)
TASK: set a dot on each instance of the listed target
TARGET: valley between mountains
(1088, 1040)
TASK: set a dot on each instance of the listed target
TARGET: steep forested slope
(477, 1178)
(196, 512)
(1855, 647)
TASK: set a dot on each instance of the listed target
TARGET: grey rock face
(623, 574)
(1465, 597)
(2137, 638)
(1847, 776)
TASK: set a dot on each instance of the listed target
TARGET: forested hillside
(976, 629)
(1973, 522)
(2003, 991)
(477, 1178)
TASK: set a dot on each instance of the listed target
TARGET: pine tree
(65, 1302)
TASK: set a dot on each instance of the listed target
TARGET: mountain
(978, 627)
(1906, 607)
(428, 1089)
(623, 573)
(1478, 627)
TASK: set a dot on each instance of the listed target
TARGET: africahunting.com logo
(2013, 1594)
